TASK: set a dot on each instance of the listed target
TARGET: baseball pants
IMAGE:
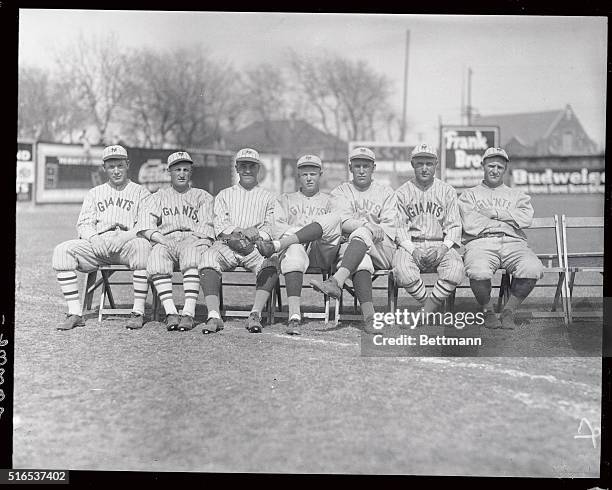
(322, 253)
(78, 255)
(181, 251)
(483, 256)
(406, 271)
(379, 255)
(222, 258)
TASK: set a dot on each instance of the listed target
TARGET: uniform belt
(421, 239)
(492, 234)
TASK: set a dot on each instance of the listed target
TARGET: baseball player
(493, 216)
(309, 234)
(243, 214)
(368, 213)
(429, 232)
(179, 223)
(107, 235)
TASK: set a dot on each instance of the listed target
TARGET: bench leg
(558, 291)
(90, 289)
(109, 293)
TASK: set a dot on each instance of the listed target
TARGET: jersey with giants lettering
(430, 214)
(170, 211)
(513, 208)
(376, 205)
(237, 207)
(296, 210)
(106, 208)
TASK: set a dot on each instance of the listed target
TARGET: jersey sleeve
(205, 227)
(281, 221)
(520, 215)
(389, 216)
(149, 215)
(451, 224)
(403, 235)
(221, 216)
(342, 206)
(266, 228)
(86, 224)
(473, 221)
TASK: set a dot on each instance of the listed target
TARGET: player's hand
(488, 212)
(420, 257)
(99, 246)
(378, 234)
(252, 234)
(437, 255)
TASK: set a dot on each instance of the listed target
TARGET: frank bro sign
(461, 149)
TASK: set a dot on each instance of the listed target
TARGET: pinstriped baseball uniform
(237, 207)
(508, 249)
(428, 218)
(106, 211)
(185, 219)
(376, 205)
(296, 210)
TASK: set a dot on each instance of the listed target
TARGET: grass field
(105, 398)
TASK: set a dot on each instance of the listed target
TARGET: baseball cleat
(212, 325)
(293, 327)
(368, 326)
(186, 323)
(134, 322)
(491, 320)
(328, 287)
(507, 320)
(265, 248)
(71, 322)
(254, 323)
(172, 322)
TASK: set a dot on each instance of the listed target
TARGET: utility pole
(469, 97)
(403, 135)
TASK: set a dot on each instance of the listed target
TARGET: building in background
(290, 139)
(548, 133)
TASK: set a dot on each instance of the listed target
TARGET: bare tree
(348, 98)
(46, 109)
(180, 97)
(265, 90)
(95, 70)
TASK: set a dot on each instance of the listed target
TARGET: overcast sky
(520, 64)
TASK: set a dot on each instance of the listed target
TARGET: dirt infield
(101, 397)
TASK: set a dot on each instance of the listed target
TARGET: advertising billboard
(461, 149)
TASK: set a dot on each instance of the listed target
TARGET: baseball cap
(177, 157)
(362, 152)
(495, 152)
(423, 150)
(312, 160)
(114, 151)
(248, 155)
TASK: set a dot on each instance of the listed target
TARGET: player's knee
(363, 234)
(405, 275)
(295, 259)
(62, 260)
(453, 274)
(479, 272)
(530, 268)
(331, 224)
(210, 260)
(156, 266)
(366, 265)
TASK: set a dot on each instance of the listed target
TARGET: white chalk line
(492, 368)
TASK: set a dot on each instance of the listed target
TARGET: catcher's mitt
(240, 243)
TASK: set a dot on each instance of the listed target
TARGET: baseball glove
(239, 243)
